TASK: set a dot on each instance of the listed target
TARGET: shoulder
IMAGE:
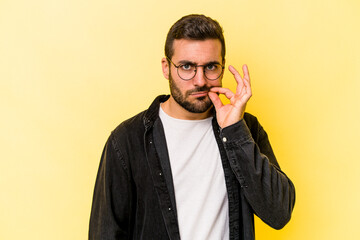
(130, 126)
(137, 123)
(127, 135)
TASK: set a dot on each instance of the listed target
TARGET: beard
(199, 105)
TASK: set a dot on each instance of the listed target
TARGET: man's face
(192, 95)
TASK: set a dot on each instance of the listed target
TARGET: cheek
(179, 83)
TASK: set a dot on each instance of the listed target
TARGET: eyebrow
(183, 62)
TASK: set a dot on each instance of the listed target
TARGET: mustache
(198, 89)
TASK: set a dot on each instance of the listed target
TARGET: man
(191, 167)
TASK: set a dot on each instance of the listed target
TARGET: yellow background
(71, 71)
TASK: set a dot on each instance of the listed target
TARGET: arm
(267, 189)
(111, 207)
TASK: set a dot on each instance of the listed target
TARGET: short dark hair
(194, 27)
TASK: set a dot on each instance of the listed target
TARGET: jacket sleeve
(111, 207)
(270, 193)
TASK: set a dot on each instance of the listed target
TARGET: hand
(234, 111)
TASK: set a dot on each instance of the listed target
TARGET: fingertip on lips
(214, 89)
(212, 93)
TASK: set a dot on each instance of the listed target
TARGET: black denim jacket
(134, 193)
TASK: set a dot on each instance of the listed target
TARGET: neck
(173, 109)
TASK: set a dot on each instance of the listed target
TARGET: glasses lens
(213, 71)
(187, 71)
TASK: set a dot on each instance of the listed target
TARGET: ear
(165, 67)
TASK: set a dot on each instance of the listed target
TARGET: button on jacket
(134, 193)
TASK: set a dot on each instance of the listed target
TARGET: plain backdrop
(72, 70)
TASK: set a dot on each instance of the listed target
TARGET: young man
(191, 167)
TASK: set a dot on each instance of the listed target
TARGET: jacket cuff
(238, 132)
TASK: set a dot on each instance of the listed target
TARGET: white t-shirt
(199, 181)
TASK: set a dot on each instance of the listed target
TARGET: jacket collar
(153, 111)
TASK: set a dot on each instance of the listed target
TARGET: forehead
(198, 51)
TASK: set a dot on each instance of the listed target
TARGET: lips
(199, 94)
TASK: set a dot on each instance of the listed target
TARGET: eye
(212, 67)
(187, 67)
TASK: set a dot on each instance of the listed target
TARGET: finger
(227, 92)
(215, 100)
(246, 73)
(247, 86)
(247, 82)
(247, 93)
(239, 80)
(236, 74)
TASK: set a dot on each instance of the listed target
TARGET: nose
(199, 79)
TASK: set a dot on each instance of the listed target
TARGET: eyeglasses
(187, 71)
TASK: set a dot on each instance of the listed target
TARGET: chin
(201, 107)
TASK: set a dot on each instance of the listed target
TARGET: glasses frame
(196, 66)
